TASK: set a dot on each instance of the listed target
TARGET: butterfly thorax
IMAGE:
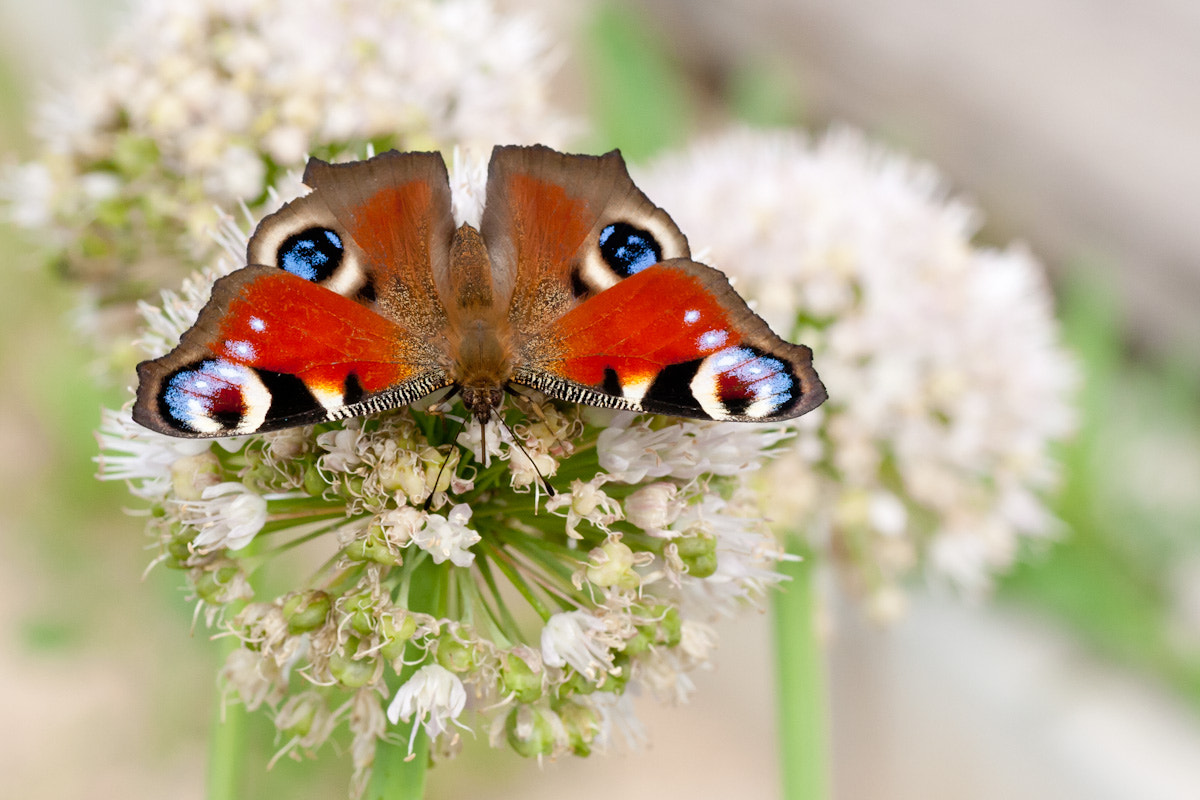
(481, 342)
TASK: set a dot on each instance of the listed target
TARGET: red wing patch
(676, 339)
(272, 350)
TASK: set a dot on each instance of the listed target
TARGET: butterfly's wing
(563, 228)
(675, 338)
(338, 314)
(608, 310)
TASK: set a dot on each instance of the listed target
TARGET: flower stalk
(226, 741)
(801, 680)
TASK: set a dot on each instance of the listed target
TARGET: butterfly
(364, 295)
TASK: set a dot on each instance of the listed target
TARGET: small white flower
(434, 695)
(580, 639)
(129, 452)
(401, 524)
(586, 501)
(655, 507)
(448, 537)
(228, 516)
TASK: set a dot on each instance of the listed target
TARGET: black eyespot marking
(208, 390)
(673, 387)
(312, 254)
(628, 250)
(578, 287)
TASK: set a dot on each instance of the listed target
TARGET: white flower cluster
(208, 104)
(531, 615)
(947, 382)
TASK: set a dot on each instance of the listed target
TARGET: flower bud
(582, 724)
(349, 671)
(654, 507)
(534, 731)
(191, 475)
(519, 679)
(306, 611)
(373, 546)
(612, 565)
(454, 654)
(396, 627)
(698, 553)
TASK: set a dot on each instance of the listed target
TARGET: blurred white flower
(947, 381)
(203, 105)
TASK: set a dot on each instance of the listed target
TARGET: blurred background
(1075, 127)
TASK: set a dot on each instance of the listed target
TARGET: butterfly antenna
(517, 441)
(445, 461)
(536, 409)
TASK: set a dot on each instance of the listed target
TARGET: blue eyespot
(312, 254)
(628, 250)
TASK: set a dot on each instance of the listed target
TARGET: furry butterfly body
(364, 295)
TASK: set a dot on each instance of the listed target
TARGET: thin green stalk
(801, 678)
(395, 775)
(227, 732)
(226, 739)
(398, 774)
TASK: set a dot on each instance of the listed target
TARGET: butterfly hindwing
(376, 231)
(562, 228)
(272, 350)
(675, 338)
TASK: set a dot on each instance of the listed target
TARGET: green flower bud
(360, 612)
(314, 484)
(349, 671)
(211, 584)
(531, 731)
(640, 642)
(300, 716)
(612, 565)
(455, 655)
(670, 628)
(396, 627)
(179, 546)
(518, 679)
(582, 725)
(699, 553)
(306, 611)
(373, 547)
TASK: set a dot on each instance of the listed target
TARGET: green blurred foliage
(640, 102)
(1132, 516)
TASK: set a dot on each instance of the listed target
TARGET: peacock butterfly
(364, 296)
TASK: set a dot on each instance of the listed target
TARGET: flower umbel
(947, 381)
(521, 612)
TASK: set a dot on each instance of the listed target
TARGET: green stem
(800, 672)
(397, 775)
(226, 739)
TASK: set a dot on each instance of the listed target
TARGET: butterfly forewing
(271, 350)
(675, 339)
